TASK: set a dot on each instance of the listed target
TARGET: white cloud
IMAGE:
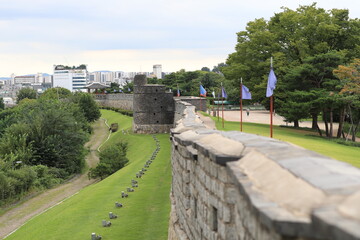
(40, 33)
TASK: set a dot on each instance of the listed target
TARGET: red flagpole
(222, 112)
(218, 110)
(241, 107)
(271, 116)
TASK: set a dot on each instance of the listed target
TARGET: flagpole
(271, 105)
(222, 105)
(218, 110)
(241, 107)
(200, 101)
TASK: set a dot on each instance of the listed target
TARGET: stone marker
(106, 223)
(112, 216)
(118, 205)
(94, 237)
(130, 189)
(123, 194)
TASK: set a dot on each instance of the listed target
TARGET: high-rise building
(157, 71)
(74, 79)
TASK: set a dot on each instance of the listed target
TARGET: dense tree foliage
(350, 78)
(42, 141)
(28, 93)
(87, 105)
(189, 82)
(307, 44)
(56, 93)
(2, 104)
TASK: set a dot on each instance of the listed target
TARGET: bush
(121, 111)
(112, 159)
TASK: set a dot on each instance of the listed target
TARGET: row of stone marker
(134, 184)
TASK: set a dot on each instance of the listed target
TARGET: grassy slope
(145, 213)
(299, 137)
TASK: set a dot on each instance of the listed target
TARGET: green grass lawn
(145, 213)
(299, 137)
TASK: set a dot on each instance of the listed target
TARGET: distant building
(157, 69)
(25, 80)
(74, 79)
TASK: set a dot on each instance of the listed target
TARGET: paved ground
(264, 117)
(17, 216)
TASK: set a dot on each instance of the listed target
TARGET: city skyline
(129, 37)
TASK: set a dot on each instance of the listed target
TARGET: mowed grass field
(299, 137)
(145, 213)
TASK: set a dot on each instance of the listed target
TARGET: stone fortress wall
(232, 185)
(153, 107)
(119, 100)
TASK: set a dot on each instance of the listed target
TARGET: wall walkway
(232, 185)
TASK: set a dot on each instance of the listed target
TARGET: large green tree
(306, 44)
(87, 105)
(28, 93)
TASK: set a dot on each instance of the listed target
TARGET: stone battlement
(119, 100)
(233, 185)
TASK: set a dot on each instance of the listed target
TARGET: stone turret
(153, 107)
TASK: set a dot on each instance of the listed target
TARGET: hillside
(145, 213)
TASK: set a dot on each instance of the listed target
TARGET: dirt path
(16, 217)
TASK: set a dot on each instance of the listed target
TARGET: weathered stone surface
(232, 185)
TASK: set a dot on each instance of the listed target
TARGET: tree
(306, 44)
(112, 159)
(2, 104)
(87, 105)
(57, 138)
(205, 69)
(350, 78)
(218, 68)
(56, 93)
(26, 93)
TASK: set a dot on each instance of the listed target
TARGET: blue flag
(129, 90)
(271, 83)
(245, 93)
(178, 92)
(202, 91)
(223, 93)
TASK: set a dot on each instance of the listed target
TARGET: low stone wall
(120, 100)
(232, 185)
(200, 103)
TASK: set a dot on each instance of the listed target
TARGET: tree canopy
(307, 44)
(28, 93)
(42, 140)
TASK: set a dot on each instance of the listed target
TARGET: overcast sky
(129, 35)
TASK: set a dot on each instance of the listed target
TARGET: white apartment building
(25, 80)
(157, 69)
(74, 79)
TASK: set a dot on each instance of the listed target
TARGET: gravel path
(19, 215)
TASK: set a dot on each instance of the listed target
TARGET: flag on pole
(213, 93)
(223, 93)
(178, 92)
(245, 94)
(271, 83)
(202, 91)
